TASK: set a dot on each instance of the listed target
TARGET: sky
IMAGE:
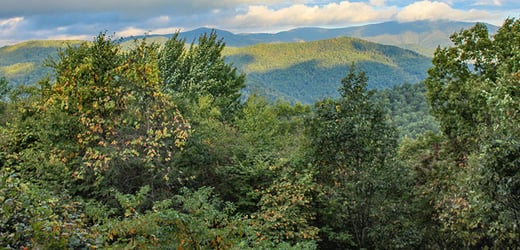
(22, 20)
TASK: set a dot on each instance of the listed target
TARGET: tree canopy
(154, 147)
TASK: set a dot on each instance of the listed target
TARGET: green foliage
(307, 71)
(4, 90)
(192, 220)
(353, 147)
(473, 92)
(200, 71)
(286, 212)
(127, 130)
(353, 122)
(100, 157)
(409, 110)
(34, 217)
(462, 74)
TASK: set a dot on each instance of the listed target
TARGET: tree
(201, 71)
(4, 90)
(473, 92)
(353, 146)
(462, 74)
(123, 128)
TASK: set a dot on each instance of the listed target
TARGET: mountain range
(421, 36)
(302, 64)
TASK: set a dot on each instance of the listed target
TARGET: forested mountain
(296, 78)
(302, 71)
(22, 63)
(408, 109)
(308, 71)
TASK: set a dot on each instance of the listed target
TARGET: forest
(155, 147)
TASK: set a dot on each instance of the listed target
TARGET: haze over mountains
(302, 64)
(421, 36)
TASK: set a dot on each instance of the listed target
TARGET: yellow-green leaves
(125, 119)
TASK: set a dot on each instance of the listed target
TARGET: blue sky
(80, 19)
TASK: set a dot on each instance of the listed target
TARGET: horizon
(237, 33)
(24, 20)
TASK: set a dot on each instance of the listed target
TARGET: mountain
(308, 71)
(420, 36)
(22, 63)
(302, 64)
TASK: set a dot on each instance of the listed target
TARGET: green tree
(285, 211)
(4, 88)
(200, 71)
(124, 129)
(4, 91)
(473, 92)
(353, 147)
(463, 73)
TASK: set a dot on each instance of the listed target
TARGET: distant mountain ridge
(302, 64)
(421, 36)
(308, 71)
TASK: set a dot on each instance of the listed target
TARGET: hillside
(300, 71)
(308, 71)
(22, 63)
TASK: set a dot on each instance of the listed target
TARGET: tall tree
(4, 90)
(201, 71)
(353, 147)
(473, 90)
(126, 130)
(462, 74)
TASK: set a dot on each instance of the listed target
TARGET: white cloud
(378, 3)
(9, 30)
(341, 13)
(427, 10)
(7, 42)
(132, 31)
(10, 23)
(69, 37)
(488, 3)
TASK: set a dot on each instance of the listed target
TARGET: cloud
(9, 28)
(10, 24)
(70, 37)
(132, 31)
(137, 8)
(342, 13)
(427, 10)
(378, 3)
(488, 3)
(38, 19)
